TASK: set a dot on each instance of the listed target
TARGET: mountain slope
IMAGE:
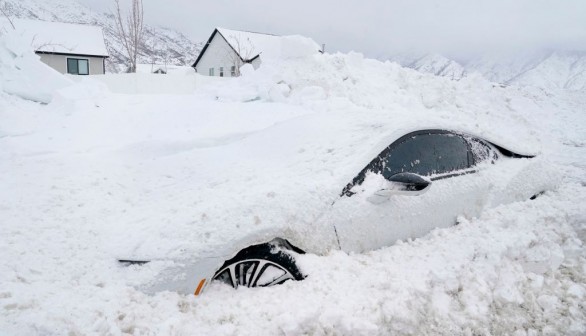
(558, 71)
(545, 69)
(440, 66)
(162, 45)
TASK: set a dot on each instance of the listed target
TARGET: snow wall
(23, 74)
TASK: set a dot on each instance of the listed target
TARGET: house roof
(248, 45)
(60, 38)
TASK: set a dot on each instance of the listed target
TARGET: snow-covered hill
(435, 64)
(545, 69)
(162, 45)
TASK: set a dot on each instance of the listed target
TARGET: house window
(221, 71)
(77, 66)
(211, 71)
(233, 71)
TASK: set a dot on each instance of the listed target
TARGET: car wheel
(260, 266)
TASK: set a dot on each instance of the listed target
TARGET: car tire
(261, 265)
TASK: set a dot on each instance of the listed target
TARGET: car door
(365, 219)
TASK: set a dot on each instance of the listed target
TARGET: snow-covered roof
(58, 37)
(249, 45)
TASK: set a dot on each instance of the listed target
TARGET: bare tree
(239, 53)
(3, 10)
(130, 31)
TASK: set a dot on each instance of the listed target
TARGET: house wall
(59, 62)
(218, 54)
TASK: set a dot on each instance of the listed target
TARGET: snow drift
(23, 74)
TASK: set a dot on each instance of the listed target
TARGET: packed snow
(90, 175)
(164, 69)
(23, 75)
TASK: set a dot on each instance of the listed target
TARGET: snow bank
(23, 74)
(148, 83)
(294, 46)
(324, 82)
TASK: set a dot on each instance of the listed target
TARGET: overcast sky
(379, 28)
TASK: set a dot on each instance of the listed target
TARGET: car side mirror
(407, 184)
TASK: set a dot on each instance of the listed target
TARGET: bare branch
(239, 52)
(130, 30)
(6, 15)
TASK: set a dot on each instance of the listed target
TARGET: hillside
(545, 69)
(162, 45)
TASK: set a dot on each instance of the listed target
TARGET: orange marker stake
(199, 287)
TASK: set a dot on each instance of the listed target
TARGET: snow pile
(175, 82)
(296, 46)
(23, 74)
(333, 82)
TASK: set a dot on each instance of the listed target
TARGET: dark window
(233, 71)
(221, 71)
(427, 154)
(76, 66)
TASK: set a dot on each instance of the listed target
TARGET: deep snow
(92, 173)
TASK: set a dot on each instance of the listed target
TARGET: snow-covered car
(424, 178)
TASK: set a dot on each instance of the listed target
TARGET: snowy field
(92, 172)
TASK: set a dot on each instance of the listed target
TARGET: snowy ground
(72, 170)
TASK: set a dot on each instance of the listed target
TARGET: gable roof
(60, 38)
(249, 45)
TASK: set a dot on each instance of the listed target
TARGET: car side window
(428, 154)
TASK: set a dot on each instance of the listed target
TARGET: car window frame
(376, 163)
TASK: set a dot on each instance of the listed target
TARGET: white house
(227, 50)
(74, 49)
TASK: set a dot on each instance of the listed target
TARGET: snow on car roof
(58, 37)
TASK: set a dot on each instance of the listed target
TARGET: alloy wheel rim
(254, 273)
